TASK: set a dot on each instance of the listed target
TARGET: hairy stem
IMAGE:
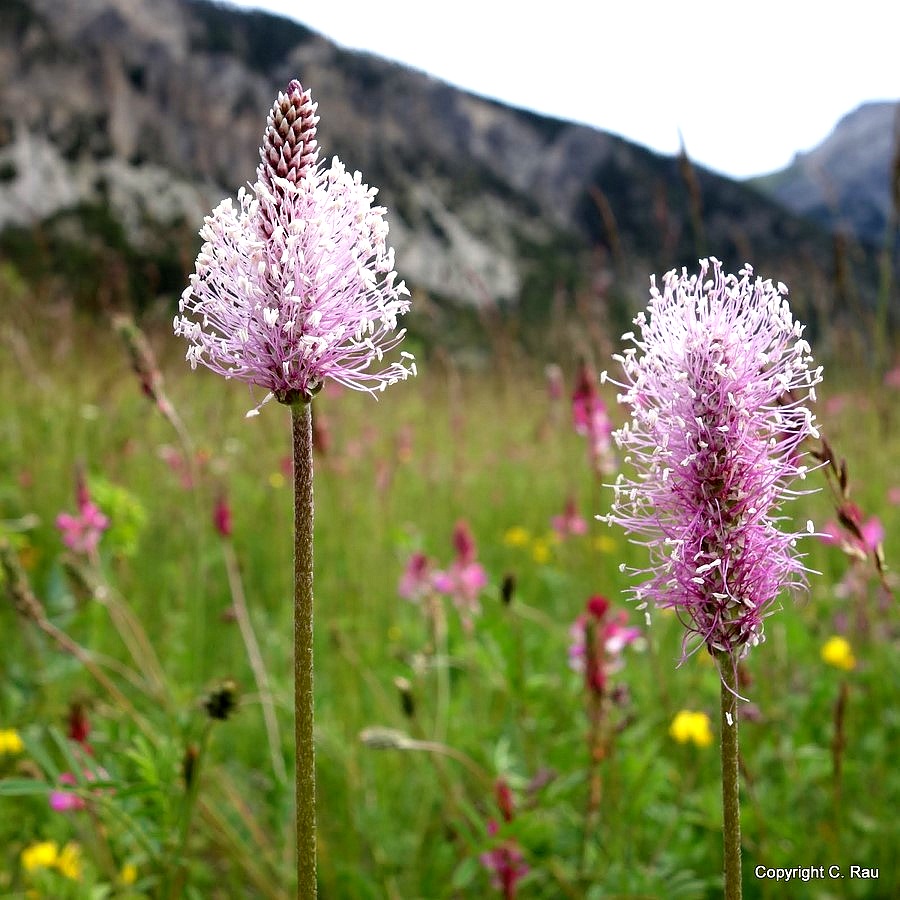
(303, 651)
(731, 807)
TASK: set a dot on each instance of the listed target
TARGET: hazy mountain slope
(123, 123)
(846, 181)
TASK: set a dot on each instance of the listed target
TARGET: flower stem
(731, 807)
(301, 420)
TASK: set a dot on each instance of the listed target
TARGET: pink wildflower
(505, 801)
(892, 377)
(297, 285)
(69, 801)
(506, 865)
(66, 801)
(855, 538)
(416, 579)
(590, 419)
(571, 522)
(82, 532)
(715, 438)
(465, 578)
(79, 727)
(598, 640)
(222, 516)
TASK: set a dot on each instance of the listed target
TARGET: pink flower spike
(416, 579)
(570, 523)
(717, 383)
(464, 543)
(81, 533)
(590, 419)
(222, 516)
(506, 865)
(598, 639)
(296, 286)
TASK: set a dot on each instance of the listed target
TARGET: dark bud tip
(508, 588)
(221, 701)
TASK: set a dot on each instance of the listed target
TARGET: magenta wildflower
(82, 532)
(506, 864)
(856, 538)
(69, 801)
(598, 640)
(465, 578)
(296, 285)
(591, 420)
(222, 518)
(66, 801)
(415, 582)
(715, 439)
(571, 522)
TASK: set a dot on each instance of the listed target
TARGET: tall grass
(402, 815)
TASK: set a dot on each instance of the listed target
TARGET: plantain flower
(716, 383)
(297, 284)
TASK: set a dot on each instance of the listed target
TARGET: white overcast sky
(747, 84)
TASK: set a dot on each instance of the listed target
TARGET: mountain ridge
(131, 121)
(848, 181)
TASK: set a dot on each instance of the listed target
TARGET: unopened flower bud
(221, 701)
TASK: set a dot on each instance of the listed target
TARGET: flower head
(415, 582)
(570, 522)
(296, 285)
(598, 640)
(47, 855)
(40, 855)
(591, 420)
(506, 864)
(716, 384)
(82, 532)
(837, 652)
(691, 728)
(10, 742)
(465, 578)
(857, 538)
(66, 801)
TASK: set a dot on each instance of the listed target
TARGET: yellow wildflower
(129, 874)
(691, 727)
(276, 480)
(517, 536)
(69, 861)
(41, 855)
(605, 543)
(540, 551)
(10, 742)
(837, 652)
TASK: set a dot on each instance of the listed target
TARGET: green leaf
(23, 787)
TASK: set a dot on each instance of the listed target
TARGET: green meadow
(419, 718)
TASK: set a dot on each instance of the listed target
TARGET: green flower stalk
(717, 383)
(295, 287)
